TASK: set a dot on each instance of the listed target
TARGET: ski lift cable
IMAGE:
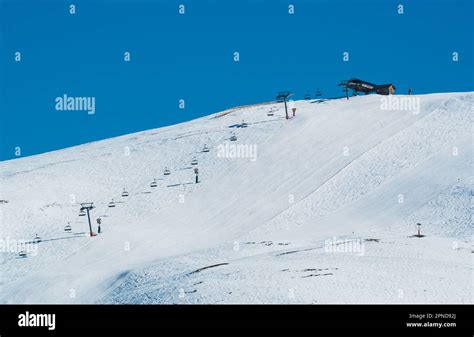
(148, 184)
(130, 192)
(105, 205)
(101, 204)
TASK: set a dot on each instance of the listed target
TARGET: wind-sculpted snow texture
(323, 211)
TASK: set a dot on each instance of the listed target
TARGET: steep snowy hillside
(321, 208)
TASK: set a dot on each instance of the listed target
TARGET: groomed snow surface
(324, 211)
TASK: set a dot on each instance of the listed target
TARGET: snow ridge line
(436, 109)
(351, 162)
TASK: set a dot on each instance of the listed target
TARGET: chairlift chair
(167, 172)
(194, 161)
(112, 203)
(205, 149)
(243, 125)
(82, 212)
(22, 254)
(270, 112)
(37, 238)
(124, 193)
(233, 138)
(153, 183)
(68, 228)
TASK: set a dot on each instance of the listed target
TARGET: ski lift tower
(283, 97)
(87, 206)
(344, 84)
(318, 93)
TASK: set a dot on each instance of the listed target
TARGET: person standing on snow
(99, 221)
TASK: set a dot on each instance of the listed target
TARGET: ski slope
(325, 214)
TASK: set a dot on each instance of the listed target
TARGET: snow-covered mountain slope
(324, 210)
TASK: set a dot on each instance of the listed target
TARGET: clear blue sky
(191, 56)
